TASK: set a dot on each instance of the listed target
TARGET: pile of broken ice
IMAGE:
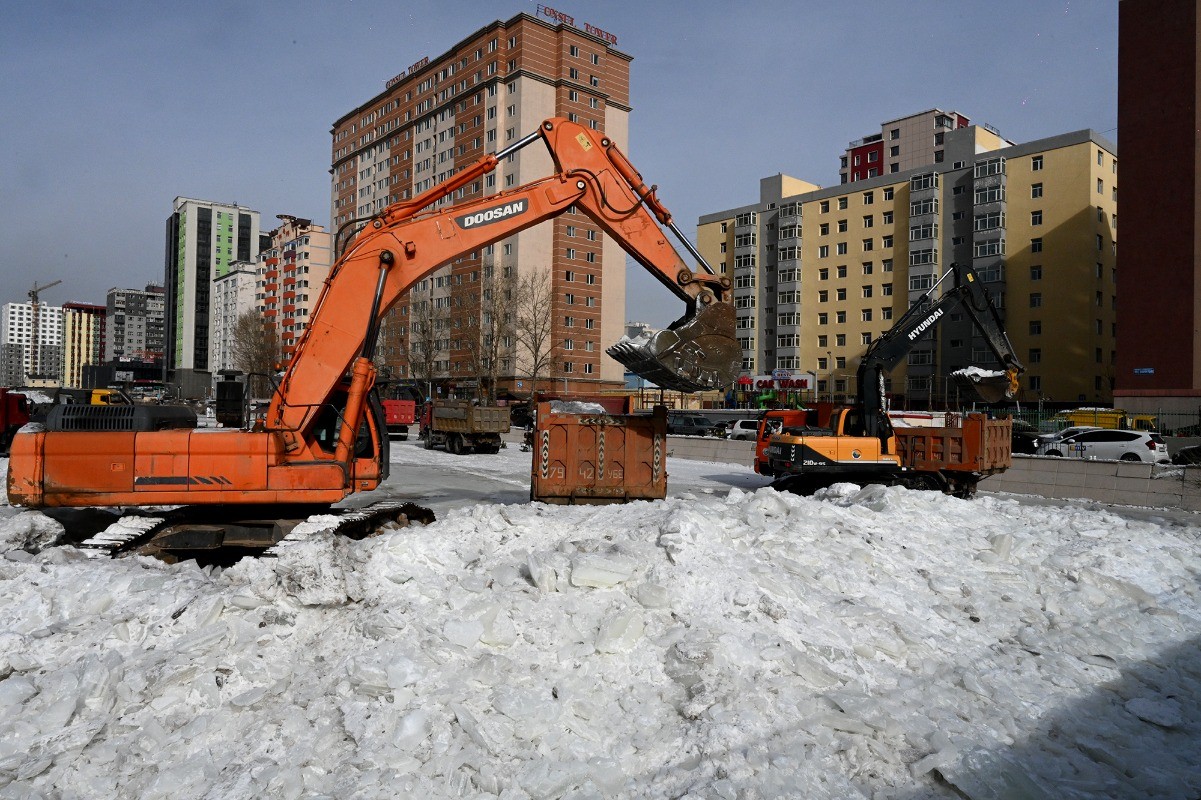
(865, 643)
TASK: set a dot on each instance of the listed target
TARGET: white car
(743, 429)
(1107, 444)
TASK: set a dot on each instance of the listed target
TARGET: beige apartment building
(821, 273)
(442, 115)
(83, 340)
(291, 271)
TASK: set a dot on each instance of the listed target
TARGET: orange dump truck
(597, 457)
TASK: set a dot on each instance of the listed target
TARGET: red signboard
(559, 16)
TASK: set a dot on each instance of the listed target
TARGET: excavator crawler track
(207, 537)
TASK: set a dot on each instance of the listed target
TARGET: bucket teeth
(695, 354)
(989, 388)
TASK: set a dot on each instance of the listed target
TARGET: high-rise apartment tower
(442, 114)
(203, 239)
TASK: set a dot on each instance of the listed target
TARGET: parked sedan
(744, 429)
(1188, 456)
(688, 425)
(1106, 444)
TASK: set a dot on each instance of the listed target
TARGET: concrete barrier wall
(1120, 482)
(710, 448)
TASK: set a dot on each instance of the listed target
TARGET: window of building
(823, 274)
(823, 296)
(1036, 217)
(894, 134)
(823, 229)
(841, 317)
(823, 251)
(918, 283)
(842, 294)
(1036, 272)
(1036, 299)
(1100, 186)
(867, 290)
(1036, 163)
(824, 206)
(867, 268)
(886, 242)
(840, 340)
(1036, 191)
(573, 50)
(842, 271)
(1036, 244)
(823, 319)
(841, 248)
(842, 203)
(887, 193)
(842, 226)
(1036, 327)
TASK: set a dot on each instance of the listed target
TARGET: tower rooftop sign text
(559, 16)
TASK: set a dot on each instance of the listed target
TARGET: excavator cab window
(853, 423)
(329, 422)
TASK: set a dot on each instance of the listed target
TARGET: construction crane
(35, 348)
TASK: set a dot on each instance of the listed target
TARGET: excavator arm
(402, 246)
(966, 292)
(296, 456)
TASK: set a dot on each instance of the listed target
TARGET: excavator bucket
(989, 386)
(696, 353)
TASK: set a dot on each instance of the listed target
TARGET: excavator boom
(321, 438)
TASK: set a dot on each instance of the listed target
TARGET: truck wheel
(428, 441)
(454, 444)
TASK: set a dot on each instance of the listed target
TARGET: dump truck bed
(979, 445)
(467, 418)
(599, 457)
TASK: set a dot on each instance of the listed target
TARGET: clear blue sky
(112, 109)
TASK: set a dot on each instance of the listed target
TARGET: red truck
(14, 412)
(398, 416)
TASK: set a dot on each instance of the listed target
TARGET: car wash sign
(781, 379)
(592, 30)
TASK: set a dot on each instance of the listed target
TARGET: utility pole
(35, 345)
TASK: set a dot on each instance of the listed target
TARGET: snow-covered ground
(729, 642)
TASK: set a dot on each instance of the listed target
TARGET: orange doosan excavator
(324, 436)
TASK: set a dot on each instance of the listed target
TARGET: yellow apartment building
(821, 273)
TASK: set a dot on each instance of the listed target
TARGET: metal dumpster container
(598, 457)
